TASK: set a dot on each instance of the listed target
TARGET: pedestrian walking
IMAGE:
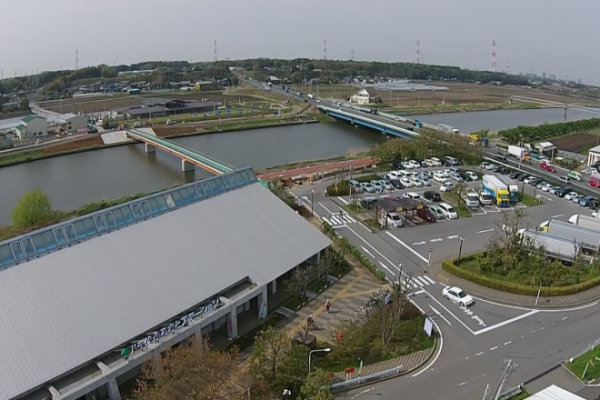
(310, 322)
(341, 214)
(327, 305)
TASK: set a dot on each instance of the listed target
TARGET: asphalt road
(477, 340)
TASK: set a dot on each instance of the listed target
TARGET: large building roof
(74, 304)
(11, 123)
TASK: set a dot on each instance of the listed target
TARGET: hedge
(358, 255)
(516, 288)
(343, 189)
(549, 131)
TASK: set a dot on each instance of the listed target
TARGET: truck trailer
(587, 239)
(497, 189)
(583, 221)
(519, 152)
(513, 188)
(555, 248)
(448, 128)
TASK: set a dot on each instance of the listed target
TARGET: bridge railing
(194, 155)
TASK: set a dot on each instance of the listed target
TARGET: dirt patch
(104, 104)
(91, 141)
(175, 130)
(575, 143)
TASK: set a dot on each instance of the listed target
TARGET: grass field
(589, 359)
(576, 142)
(457, 94)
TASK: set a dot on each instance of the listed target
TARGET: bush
(547, 131)
(338, 189)
(516, 288)
(34, 209)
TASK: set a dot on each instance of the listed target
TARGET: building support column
(198, 340)
(148, 148)
(232, 328)
(187, 166)
(113, 389)
(318, 257)
(262, 303)
(274, 286)
(247, 305)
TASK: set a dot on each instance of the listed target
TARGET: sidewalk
(514, 299)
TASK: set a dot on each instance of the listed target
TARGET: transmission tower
(493, 63)
(418, 55)
(351, 55)
(215, 58)
(492, 393)
(76, 59)
(508, 67)
(324, 49)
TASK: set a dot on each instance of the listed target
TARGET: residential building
(158, 107)
(108, 291)
(364, 96)
(28, 127)
(72, 123)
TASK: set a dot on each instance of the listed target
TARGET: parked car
(503, 170)
(562, 192)
(414, 164)
(447, 186)
(367, 187)
(387, 185)
(534, 181)
(406, 182)
(456, 177)
(368, 202)
(471, 175)
(426, 181)
(553, 189)
(416, 182)
(515, 174)
(432, 195)
(377, 185)
(541, 184)
(458, 296)
(586, 201)
(569, 196)
(521, 178)
(426, 214)
(576, 198)
(412, 195)
(397, 184)
(437, 211)
(406, 165)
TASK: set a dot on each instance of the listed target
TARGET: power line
(507, 370)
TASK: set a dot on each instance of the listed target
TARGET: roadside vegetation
(20, 157)
(511, 264)
(586, 367)
(548, 131)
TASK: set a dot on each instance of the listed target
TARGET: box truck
(584, 221)
(497, 189)
(513, 188)
(519, 152)
(587, 239)
(447, 128)
(554, 248)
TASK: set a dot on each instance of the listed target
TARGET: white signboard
(428, 327)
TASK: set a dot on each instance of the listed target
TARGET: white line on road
(564, 318)
(493, 348)
(480, 353)
(386, 268)
(448, 311)
(419, 292)
(557, 216)
(306, 198)
(530, 309)
(503, 323)
(342, 200)
(452, 237)
(367, 251)
(326, 209)
(407, 247)
(429, 280)
(482, 209)
(418, 243)
(547, 198)
(474, 379)
(507, 343)
(439, 314)
(485, 231)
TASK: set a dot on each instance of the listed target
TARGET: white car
(546, 188)
(472, 175)
(387, 185)
(575, 199)
(429, 163)
(490, 167)
(394, 175)
(416, 182)
(415, 164)
(406, 183)
(411, 195)
(458, 296)
(588, 171)
(569, 196)
(595, 214)
(406, 165)
(425, 181)
(439, 176)
(447, 186)
(529, 179)
(436, 162)
(377, 185)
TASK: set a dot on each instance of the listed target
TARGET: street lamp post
(460, 251)
(312, 206)
(327, 350)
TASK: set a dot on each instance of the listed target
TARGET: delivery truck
(555, 248)
(513, 189)
(497, 189)
(587, 239)
(448, 128)
(583, 221)
(519, 152)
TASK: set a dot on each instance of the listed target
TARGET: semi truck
(513, 188)
(555, 248)
(497, 189)
(476, 139)
(448, 128)
(470, 199)
(519, 152)
(586, 222)
(587, 239)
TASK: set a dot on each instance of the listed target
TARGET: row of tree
(546, 131)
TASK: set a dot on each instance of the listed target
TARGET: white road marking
(367, 251)
(503, 323)
(326, 209)
(306, 198)
(531, 309)
(419, 292)
(429, 279)
(547, 198)
(335, 220)
(386, 268)
(407, 247)
(493, 348)
(436, 240)
(347, 217)
(483, 209)
(485, 231)
(418, 243)
(343, 200)
(474, 379)
(564, 318)
(507, 343)
(439, 314)
(542, 328)
(421, 281)
(557, 216)
(448, 311)
(452, 237)
(478, 354)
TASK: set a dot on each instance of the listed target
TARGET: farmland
(576, 142)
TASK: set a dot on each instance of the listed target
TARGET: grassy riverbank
(453, 108)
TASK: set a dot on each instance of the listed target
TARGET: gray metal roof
(73, 305)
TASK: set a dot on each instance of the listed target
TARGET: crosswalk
(337, 220)
(419, 282)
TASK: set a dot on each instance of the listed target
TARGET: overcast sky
(549, 36)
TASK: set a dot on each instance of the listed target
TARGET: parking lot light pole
(312, 206)
(459, 251)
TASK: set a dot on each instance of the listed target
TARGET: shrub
(516, 288)
(338, 189)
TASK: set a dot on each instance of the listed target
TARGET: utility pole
(507, 369)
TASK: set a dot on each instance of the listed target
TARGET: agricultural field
(576, 142)
(457, 94)
(98, 104)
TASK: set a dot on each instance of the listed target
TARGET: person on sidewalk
(310, 322)
(327, 305)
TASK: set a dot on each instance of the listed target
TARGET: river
(76, 179)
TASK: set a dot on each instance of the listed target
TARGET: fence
(341, 386)
(573, 156)
(513, 391)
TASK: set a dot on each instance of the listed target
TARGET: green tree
(316, 386)
(24, 105)
(32, 210)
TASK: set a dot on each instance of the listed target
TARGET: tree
(24, 105)
(297, 282)
(195, 372)
(316, 386)
(389, 314)
(460, 188)
(32, 210)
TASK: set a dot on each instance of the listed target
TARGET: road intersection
(474, 341)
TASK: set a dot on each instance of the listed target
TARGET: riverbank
(95, 142)
(452, 109)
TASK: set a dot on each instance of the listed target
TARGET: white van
(575, 175)
(436, 162)
(439, 176)
(311, 96)
(448, 210)
(395, 175)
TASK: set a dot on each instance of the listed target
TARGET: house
(28, 127)
(364, 96)
(157, 107)
(72, 123)
(207, 86)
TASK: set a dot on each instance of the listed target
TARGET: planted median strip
(587, 366)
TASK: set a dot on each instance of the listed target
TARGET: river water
(76, 179)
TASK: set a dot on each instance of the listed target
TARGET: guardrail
(341, 386)
(513, 391)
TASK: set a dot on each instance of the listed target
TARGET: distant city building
(579, 81)
(28, 127)
(553, 77)
(544, 75)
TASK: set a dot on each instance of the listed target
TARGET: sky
(537, 36)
